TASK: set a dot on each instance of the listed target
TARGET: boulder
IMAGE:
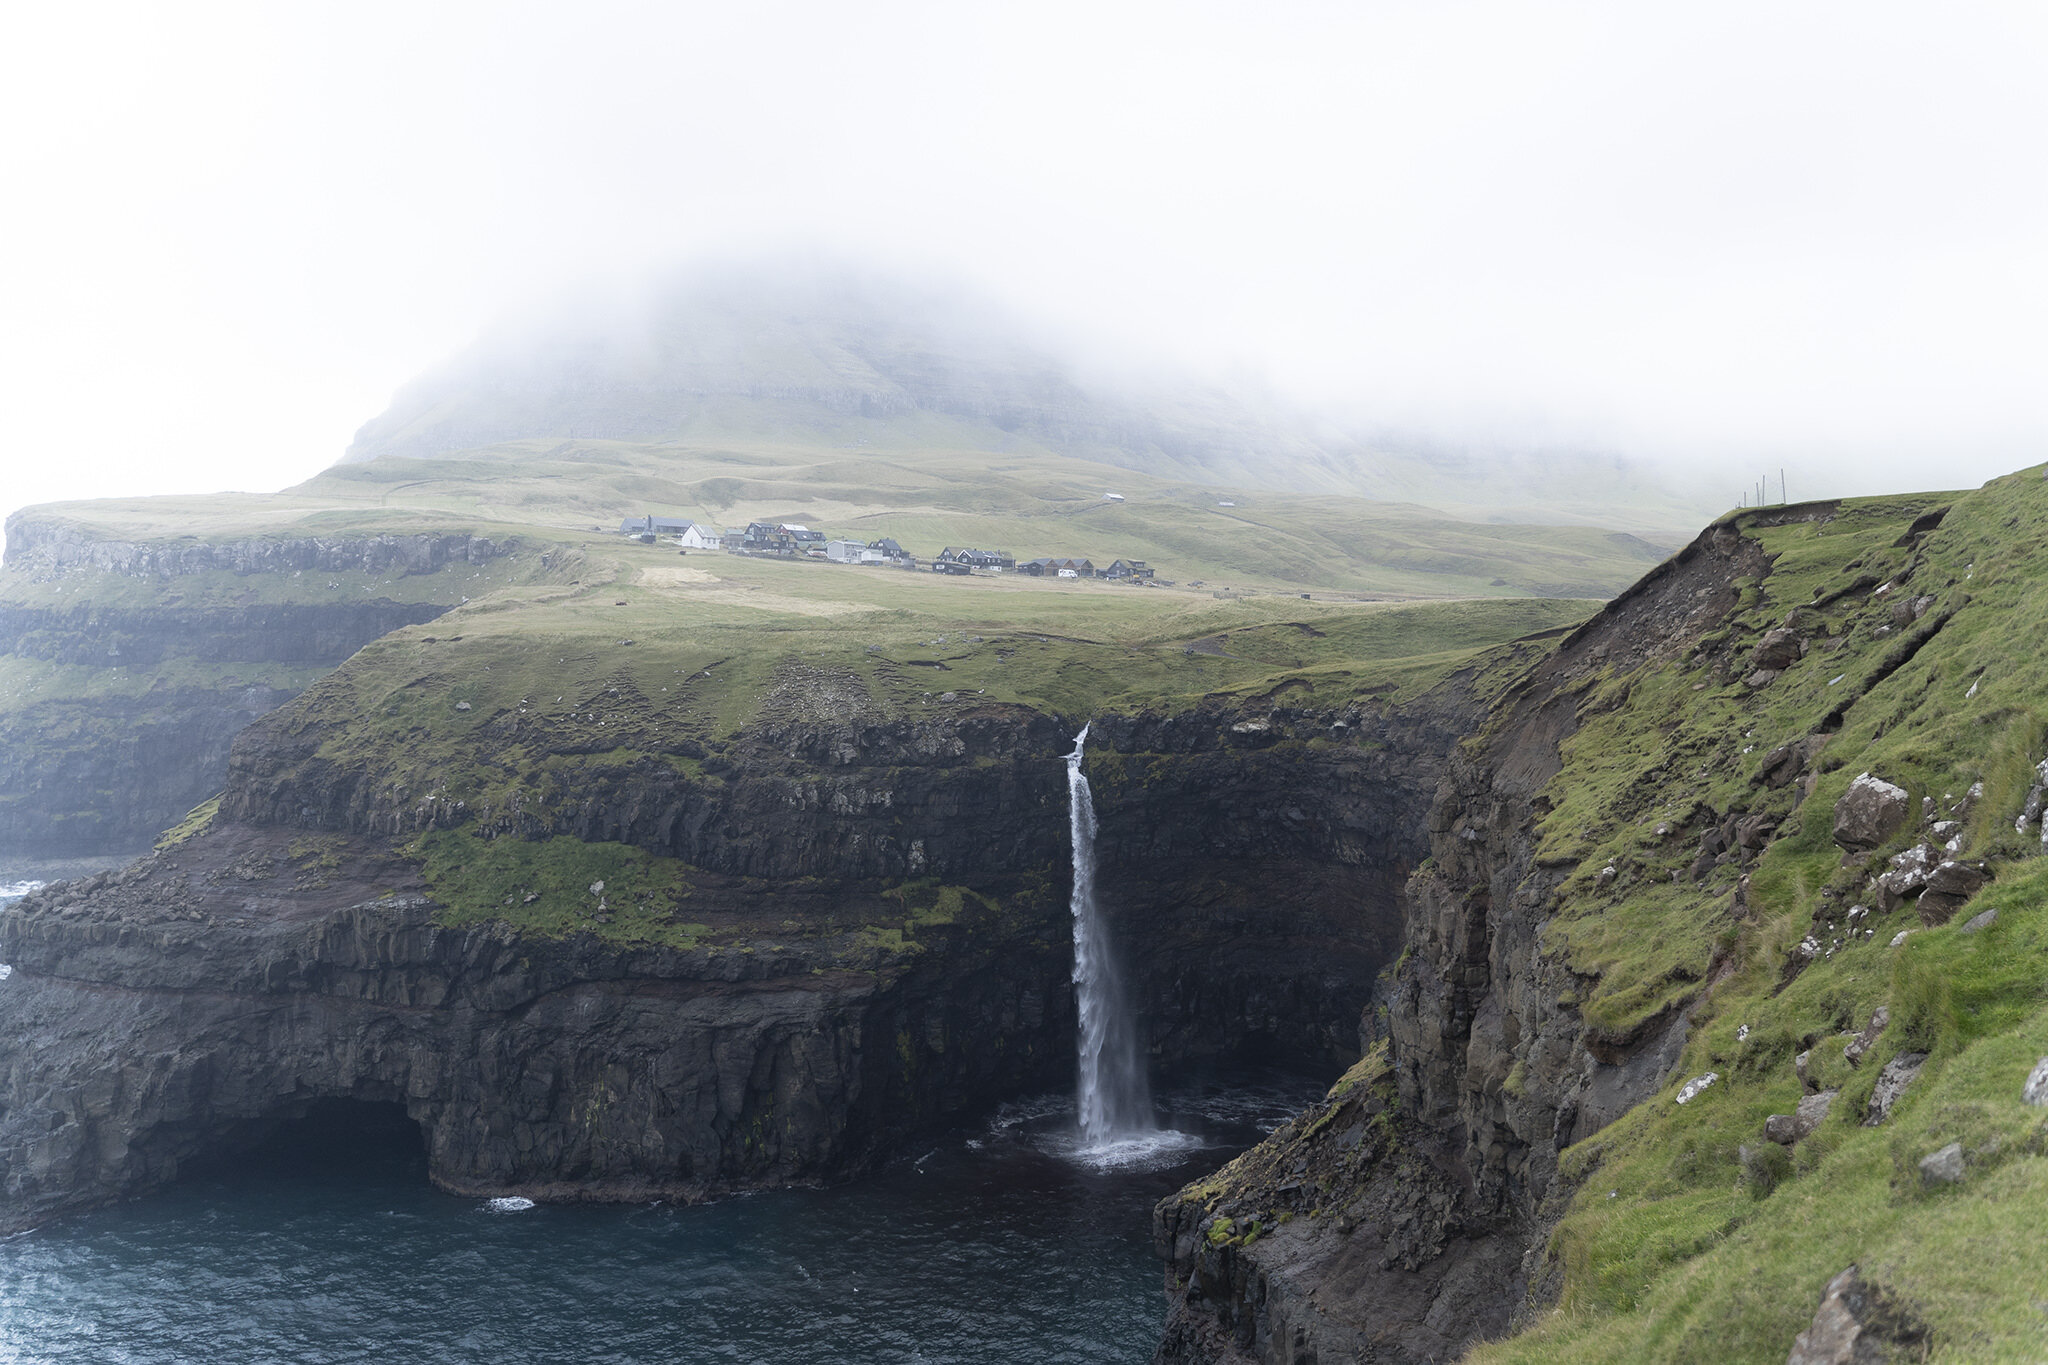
(1870, 812)
(1949, 887)
(1694, 1086)
(1968, 801)
(1786, 1129)
(1860, 1044)
(1778, 650)
(1755, 831)
(1977, 922)
(1782, 1129)
(1786, 762)
(1898, 1073)
(2035, 1091)
(1859, 1323)
(1906, 612)
(1904, 877)
(1944, 1167)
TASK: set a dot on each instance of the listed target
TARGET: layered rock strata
(1429, 1240)
(293, 952)
(176, 1009)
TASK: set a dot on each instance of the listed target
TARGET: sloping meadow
(1698, 806)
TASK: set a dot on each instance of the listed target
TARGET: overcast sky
(1810, 235)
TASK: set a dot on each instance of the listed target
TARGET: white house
(1112, 497)
(697, 536)
(853, 552)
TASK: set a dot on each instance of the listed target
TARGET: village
(787, 540)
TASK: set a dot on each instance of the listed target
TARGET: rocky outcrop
(1255, 881)
(1349, 1207)
(1493, 1069)
(177, 1009)
(1869, 813)
(1860, 1323)
(292, 954)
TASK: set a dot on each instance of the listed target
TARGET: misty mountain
(831, 358)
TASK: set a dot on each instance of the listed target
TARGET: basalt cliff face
(1702, 1018)
(177, 1009)
(1402, 1218)
(121, 713)
(790, 1015)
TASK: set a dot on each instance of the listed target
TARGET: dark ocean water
(997, 1245)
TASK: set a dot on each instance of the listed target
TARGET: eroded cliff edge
(815, 938)
(1402, 1218)
(1720, 989)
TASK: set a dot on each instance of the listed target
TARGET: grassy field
(561, 493)
(660, 654)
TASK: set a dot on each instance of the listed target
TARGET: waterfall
(1113, 1098)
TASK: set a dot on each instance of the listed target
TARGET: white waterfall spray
(1114, 1100)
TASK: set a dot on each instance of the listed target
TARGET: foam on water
(1136, 1152)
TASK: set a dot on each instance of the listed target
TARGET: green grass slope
(494, 706)
(1675, 1248)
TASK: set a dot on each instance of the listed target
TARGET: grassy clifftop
(511, 703)
(1697, 804)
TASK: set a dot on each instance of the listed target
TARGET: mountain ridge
(830, 357)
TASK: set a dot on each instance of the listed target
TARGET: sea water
(992, 1244)
(1013, 1241)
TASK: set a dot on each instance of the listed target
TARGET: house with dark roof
(962, 559)
(1128, 570)
(1057, 566)
(654, 526)
(767, 538)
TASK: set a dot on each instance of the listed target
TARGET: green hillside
(1692, 1237)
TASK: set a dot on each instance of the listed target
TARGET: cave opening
(342, 1141)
